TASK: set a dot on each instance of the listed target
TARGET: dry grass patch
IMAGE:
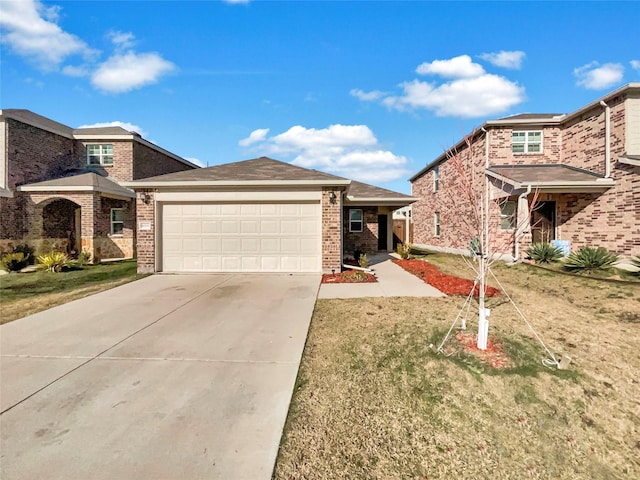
(373, 401)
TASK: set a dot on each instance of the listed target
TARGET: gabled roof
(551, 177)
(524, 120)
(257, 171)
(86, 182)
(363, 193)
(91, 134)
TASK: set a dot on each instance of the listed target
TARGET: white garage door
(246, 237)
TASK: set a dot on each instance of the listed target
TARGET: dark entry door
(543, 222)
(382, 232)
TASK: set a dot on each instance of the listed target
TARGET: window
(508, 215)
(436, 178)
(100, 154)
(355, 220)
(436, 224)
(117, 221)
(526, 142)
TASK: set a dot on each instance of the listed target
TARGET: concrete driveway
(169, 377)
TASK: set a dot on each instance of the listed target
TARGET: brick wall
(149, 163)
(610, 219)
(331, 234)
(122, 168)
(365, 241)
(145, 239)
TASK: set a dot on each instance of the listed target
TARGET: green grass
(23, 294)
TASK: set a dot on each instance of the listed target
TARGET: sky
(371, 91)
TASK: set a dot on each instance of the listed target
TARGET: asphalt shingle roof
(89, 180)
(364, 190)
(544, 173)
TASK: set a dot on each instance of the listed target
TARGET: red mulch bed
(492, 356)
(349, 276)
(447, 284)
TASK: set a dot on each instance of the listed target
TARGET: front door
(382, 232)
(543, 222)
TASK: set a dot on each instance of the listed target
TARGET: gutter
(607, 139)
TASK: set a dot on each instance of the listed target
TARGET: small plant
(635, 261)
(83, 258)
(544, 253)
(13, 262)
(27, 251)
(590, 258)
(54, 261)
(404, 250)
(363, 261)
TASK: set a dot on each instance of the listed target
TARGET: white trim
(76, 188)
(629, 161)
(192, 184)
(351, 230)
(437, 224)
(238, 196)
(525, 144)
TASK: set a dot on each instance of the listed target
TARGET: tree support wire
(549, 362)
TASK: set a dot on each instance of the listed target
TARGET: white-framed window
(436, 224)
(508, 215)
(100, 154)
(117, 221)
(355, 220)
(436, 178)
(526, 141)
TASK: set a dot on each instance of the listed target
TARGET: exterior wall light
(332, 197)
(145, 197)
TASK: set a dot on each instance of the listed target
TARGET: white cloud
(30, 29)
(197, 161)
(367, 96)
(457, 67)
(350, 151)
(126, 125)
(635, 64)
(122, 40)
(468, 91)
(254, 137)
(76, 71)
(505, 59)
(594, 76)
(128, 71)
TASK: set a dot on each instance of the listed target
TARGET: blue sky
(368, 90)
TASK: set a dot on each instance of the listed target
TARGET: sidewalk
(393, 281)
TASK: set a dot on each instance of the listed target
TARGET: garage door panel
(258, 237)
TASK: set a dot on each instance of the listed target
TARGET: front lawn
(23, 294)
(374, 401)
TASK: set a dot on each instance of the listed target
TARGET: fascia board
(76, 188)
(503, 179)
(189, 185)
(103, 137)
(629, 161)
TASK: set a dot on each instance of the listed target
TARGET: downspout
(607, 139)
(520, 228)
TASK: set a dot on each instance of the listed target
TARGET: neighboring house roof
(363, 193)
(630, 160)
(86, 182)
(555, 177)
(90, 134)
(523, 120)
(257, 171)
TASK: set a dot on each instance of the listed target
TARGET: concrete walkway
(393, 281)
(169, 377)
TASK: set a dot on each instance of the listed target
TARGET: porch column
(523, 226)
(89, 208)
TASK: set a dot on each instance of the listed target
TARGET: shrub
(27, 251)
(635, 261)
(54, 261)
(13, 262)
(544, 253)
(83, 258)
(590, 258)
(363, 261)
(404, 250)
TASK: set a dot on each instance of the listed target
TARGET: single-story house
(259, 215)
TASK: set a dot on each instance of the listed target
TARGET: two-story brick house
(582, 169)
(60, 187)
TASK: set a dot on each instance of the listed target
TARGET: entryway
(543, 222)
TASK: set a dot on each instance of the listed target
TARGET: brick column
(146, 233)
(331, 230)
(89, 208)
